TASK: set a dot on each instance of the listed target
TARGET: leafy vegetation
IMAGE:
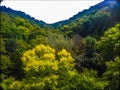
(109, 43)
(102, 16)
(79, 54)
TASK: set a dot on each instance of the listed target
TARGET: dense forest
(81, 53)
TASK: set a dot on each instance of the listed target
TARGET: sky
(50, 11)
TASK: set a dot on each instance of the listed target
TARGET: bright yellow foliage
(66, 59)
(43, 66)
(39, 58)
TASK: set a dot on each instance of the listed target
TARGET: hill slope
(23, 15)
(34, 55)
(95, 20)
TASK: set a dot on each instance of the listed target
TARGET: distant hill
(21, 14)
(94, 20)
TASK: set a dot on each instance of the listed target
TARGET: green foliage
(10, 84)
(59, 41)
(46, 69)
(78, 45)
(112, 74)
(2, 46)
(90, 81)
(6, 83)
(108, 45)
(93, 21)
(90, 47)
(57, 53)
(17, 35)
(89, 58)
(5, 64)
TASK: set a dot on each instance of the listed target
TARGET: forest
(81, 53)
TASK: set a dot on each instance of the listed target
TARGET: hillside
(93, 21)
(23, 15)
(81, 53)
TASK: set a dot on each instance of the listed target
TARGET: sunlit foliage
(109, 43)
(112, 74)
(45, 70)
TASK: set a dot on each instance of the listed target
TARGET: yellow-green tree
(112, 74)
(46, 69)
(109, 43)
(40, 68)
(88, 80)
(67, 73)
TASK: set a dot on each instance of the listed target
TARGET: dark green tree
(90, 59)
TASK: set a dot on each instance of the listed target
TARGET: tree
(78, 45)
(108, 45)
(112, 74)
(44, 70)
(88, 80)
(5, 61)
(67, 73)
(47, 69)
(40, 67)
(59, 41)
(90, 47)
(89, 58)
